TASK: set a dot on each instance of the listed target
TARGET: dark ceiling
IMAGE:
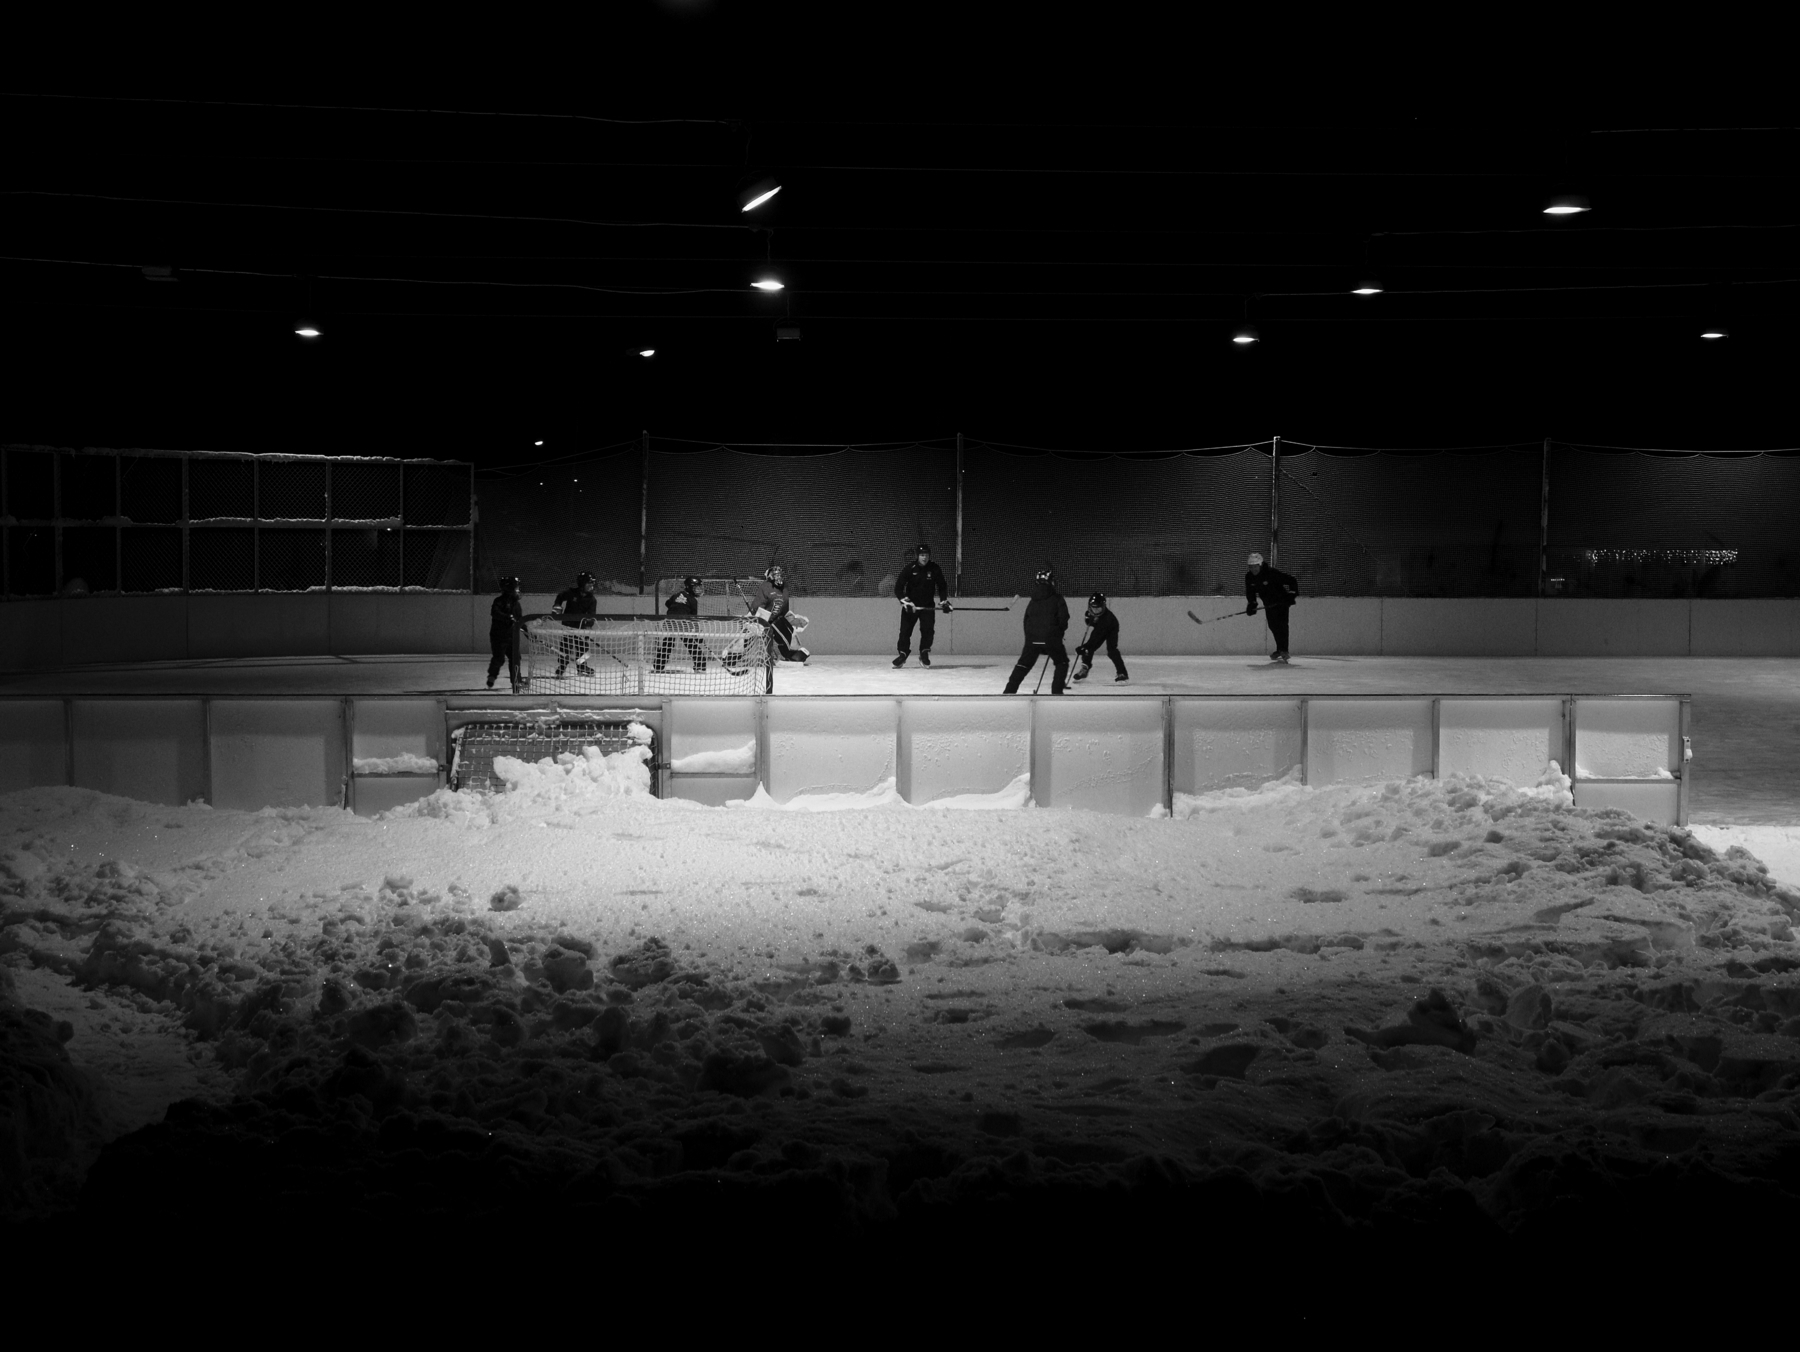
(1039, 261)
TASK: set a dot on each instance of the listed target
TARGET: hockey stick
(1216, 618)
(1041, 671)
(908, 605)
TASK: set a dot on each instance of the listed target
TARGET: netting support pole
(956, 583)
(328, 510)
(119, 529)
(1275, 506)
(1543, 569)
(56, 514)
(644, 514)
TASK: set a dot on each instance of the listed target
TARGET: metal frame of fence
(319, 516)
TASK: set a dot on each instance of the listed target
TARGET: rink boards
(1128, 755)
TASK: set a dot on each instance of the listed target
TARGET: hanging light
(768, 282)
(1712, 332)
(1368, 286)
(306, 328)
(1245, 334)
(1567, 204)
(646, 352)
(756, 192)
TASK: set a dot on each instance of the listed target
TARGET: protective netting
(1383, 524)
(842, 524)
(545, 526)
(1636, 524)
(645, 657)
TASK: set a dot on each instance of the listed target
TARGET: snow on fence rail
(1129, 755)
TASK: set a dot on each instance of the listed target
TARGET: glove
(1251, 609)
(944, 606)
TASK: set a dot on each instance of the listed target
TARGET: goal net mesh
(643, 656)
(719, 596)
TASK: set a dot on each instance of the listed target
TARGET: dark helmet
(691, 583)
(775, 573)
(1047, 575)
(509, 584)
(1097, 601)
(586, 579)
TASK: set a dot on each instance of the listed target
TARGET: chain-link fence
(1520, 520)
(96, 521)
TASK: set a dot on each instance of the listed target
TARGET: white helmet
(1256, 560)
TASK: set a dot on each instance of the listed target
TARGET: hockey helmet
(1256, 560)
(1097, 601)
(691, 583)
(586, 579)
(509, 585)
(1045, 575)
(775, 573)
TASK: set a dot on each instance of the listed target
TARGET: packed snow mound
(581, 782)
(736, 760)
(406, 763)
(1551, 790)
(887, 795)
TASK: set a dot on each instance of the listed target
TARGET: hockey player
(775, 611)
(681, 609)
(1046, 621)
(1277, 591)
(922, 591)
(504, 616)
(576, 607)
(1103, 628)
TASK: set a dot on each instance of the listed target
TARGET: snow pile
(886, 794)
(737, 760)
(404, 764)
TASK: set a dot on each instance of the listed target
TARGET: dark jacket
(1271, 588)
(504, 614)
(771, 598)
(576, 606)
(1102, 627)
(923, 585)
(1046, 615)
(683, 602)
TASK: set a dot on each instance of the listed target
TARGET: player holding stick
(1046, 621)
(922, 591)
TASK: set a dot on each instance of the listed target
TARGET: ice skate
(900, 661)
(1120, 677)
(1082, 675)
(925, 659)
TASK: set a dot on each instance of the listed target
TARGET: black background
(1039, 229)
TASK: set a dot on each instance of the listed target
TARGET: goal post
(645, 655)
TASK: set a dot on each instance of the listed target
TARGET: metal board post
(1031, 761)
(1168, 729)
(956, 582)
(206, 768)
(1437, 738)
(69, 742)
(118, 525)
(902, 762)
(1569, 740)
(1684, 789)
(762, 741)
(349, 729)
(1303, 721)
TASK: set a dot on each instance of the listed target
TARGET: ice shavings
(406, 763)
(737, 760)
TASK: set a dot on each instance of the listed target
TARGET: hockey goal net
(638, 655)
(720, 597)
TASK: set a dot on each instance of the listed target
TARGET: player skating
(1277, 591)
(681, 609)
(576, 607)
(1046, 621)
(504, 617)
(921, 589)
(1103, 628)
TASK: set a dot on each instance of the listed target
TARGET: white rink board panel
(277, 753)
(956, 746)
(378, 793)
(151, 750)
(1510, 739)
(1654, 800)
(1234, 743)
(1627, 738)
(33, 744)
(710, 727)
(710, 790)
(1352, 740)
(398, 727)
(828, 746)
(1102, 755)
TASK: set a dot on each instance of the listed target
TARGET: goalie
(775, 612)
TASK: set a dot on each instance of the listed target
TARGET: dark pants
(781, 638)
(505, 652)
(1278, 617)
(696, 648)
(570, 649)
(926, 619)
(1028, 658)
(1112, 651)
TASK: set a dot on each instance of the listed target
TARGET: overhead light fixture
(537, 443)
(306, 328)
(1246, 334)
(1368, 286)
(1567, 204)
(159, 274)
(755, 193)
(1714, 331)
(769, 284)
(646, 352)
